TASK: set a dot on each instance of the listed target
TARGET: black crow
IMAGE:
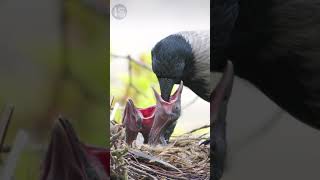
(184, 56)
(275, 45)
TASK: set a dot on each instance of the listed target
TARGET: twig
(168, 175)
(142, 172)
(144, 156)
(4, 123)
(111, 103)
(194, 130)
(150, 170)
(20, 143)
(116, 136)
(141, 64)
(190, 103)
(113, 113)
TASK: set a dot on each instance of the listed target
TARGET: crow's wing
(225, 14)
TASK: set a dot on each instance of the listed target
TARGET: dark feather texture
(184, 56)
(276, 46)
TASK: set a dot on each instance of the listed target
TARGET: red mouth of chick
(155, 118)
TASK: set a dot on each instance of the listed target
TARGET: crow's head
(170, 58)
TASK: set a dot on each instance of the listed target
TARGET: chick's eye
(138, 118)
(139, 122)
(176, 108)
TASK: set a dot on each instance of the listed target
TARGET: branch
(4, 123)
(140, 64)
(10, 165)
(130, 59)
(199, 128)
(190, 103)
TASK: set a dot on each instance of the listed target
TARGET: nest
(182, 158)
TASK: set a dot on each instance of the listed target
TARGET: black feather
(169, 57)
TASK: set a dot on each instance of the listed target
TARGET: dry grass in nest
(183, 158)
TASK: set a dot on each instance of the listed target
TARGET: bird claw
(206, 142)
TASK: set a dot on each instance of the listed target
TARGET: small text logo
(119, 11)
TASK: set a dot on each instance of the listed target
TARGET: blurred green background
(54, 60)
(134, 84)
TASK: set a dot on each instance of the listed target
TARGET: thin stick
(113, 113)
(142, 172)
(111, 103)
(133, 60)
(194, 130)
(190, 103)
(168, 175)
(143, 156)
(4, 123)
(19, 145)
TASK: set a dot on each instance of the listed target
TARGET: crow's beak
(166, 85)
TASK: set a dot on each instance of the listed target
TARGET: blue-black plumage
(184, 56)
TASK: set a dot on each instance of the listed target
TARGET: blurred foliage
(88, 68)
(66, 76)
(29, 165)
(92, 24)
(142, 80)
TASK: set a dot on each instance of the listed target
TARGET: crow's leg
(218, 111)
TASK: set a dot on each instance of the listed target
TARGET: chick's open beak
(68, 158)
(166, 114)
